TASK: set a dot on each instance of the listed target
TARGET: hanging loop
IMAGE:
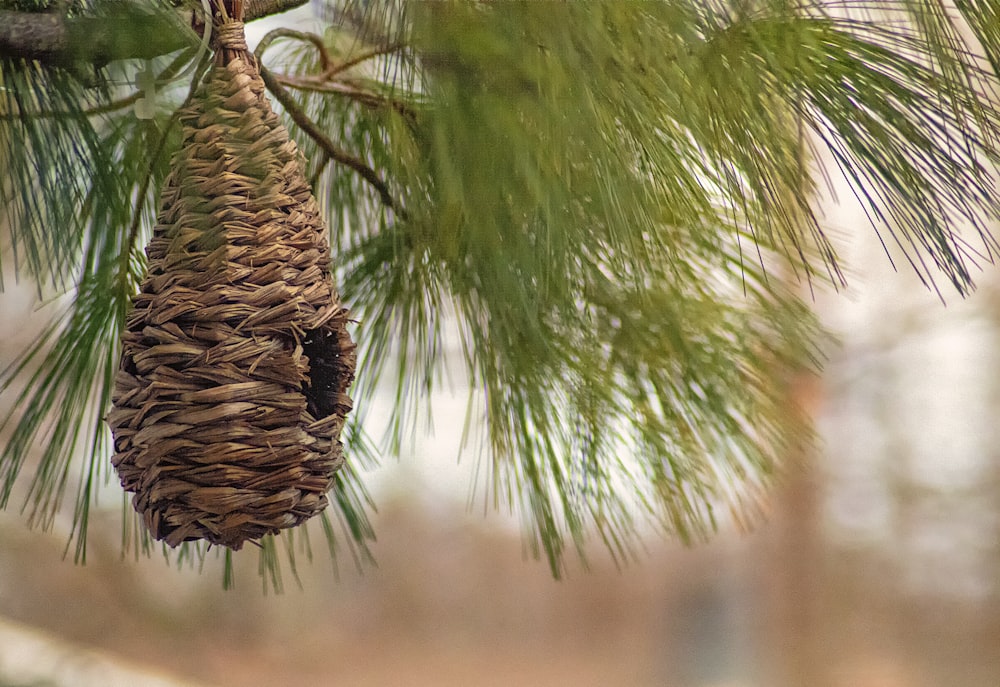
(231, 36)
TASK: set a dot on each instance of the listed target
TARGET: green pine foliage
(600, 202)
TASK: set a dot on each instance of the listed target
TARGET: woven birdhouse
(232, 389)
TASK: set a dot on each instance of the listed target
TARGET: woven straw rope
(232, 389)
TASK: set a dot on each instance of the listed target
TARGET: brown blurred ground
(453, 603)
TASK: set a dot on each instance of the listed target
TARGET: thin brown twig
(313, 131)
(324, 81)
(324, 55)
(328, 68)
(367, 55)
(361, 95)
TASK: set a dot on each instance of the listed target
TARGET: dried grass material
(232, 390)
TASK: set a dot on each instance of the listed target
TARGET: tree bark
(128, 32)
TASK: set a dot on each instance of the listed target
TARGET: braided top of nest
(232, 390)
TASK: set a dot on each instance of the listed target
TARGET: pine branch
(328, 80)
(314, 132)
(358, 94)
(366, 55)
(126, 32)
(256, 9)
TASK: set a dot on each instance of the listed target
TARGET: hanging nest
(232, 390)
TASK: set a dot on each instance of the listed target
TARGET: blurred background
(878, 565)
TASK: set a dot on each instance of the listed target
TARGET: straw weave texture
(232, 390)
